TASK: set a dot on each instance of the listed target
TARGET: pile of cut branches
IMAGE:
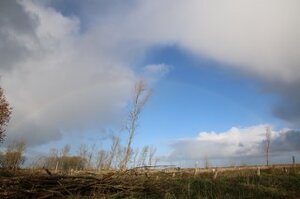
(114, 185)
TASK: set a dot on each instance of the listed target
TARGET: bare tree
(61, 160)
(5, 111)
(156, 160)
(52, 161)
(113, 150)
(90, 156)
(152, 151)
(65, 150)
(38, 162)
(86, 154)
(83, 153)
(267, 142)
(102, 160)
(14, 155)
(135, 157)
(120, 157)
(141, 96)
(143, 156)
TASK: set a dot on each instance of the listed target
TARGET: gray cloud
(286, 142)
(91, 11)
(68, 82)
(16, 26)
(288, 106)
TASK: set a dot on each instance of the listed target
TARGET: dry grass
(278, 182)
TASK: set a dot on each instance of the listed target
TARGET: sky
(220, 73)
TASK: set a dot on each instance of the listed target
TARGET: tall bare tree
(267, 143)
(140, 97)
(5, 111)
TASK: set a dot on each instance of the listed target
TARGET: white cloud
(157, 69)
(259, 37)
(153, 72)
(235, 143)
(256, 37)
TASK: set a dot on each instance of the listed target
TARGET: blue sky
(200, 95)
(218, 72)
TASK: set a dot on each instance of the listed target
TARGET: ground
(240, 182)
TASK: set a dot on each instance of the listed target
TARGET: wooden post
(294, 161)
(215, 174)
(196, 168)
(258, 171)
(56, 167)
(294, 164)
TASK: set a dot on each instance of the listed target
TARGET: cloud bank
(236, 144)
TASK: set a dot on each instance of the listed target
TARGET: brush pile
(113, 184)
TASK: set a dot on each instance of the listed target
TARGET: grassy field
(272, 182)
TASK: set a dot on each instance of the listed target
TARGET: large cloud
(65, 81)
(261, 37)
(258, 38)
(236, 144)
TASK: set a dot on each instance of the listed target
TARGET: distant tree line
(87, 159)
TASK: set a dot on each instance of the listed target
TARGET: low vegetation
(269, 182)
